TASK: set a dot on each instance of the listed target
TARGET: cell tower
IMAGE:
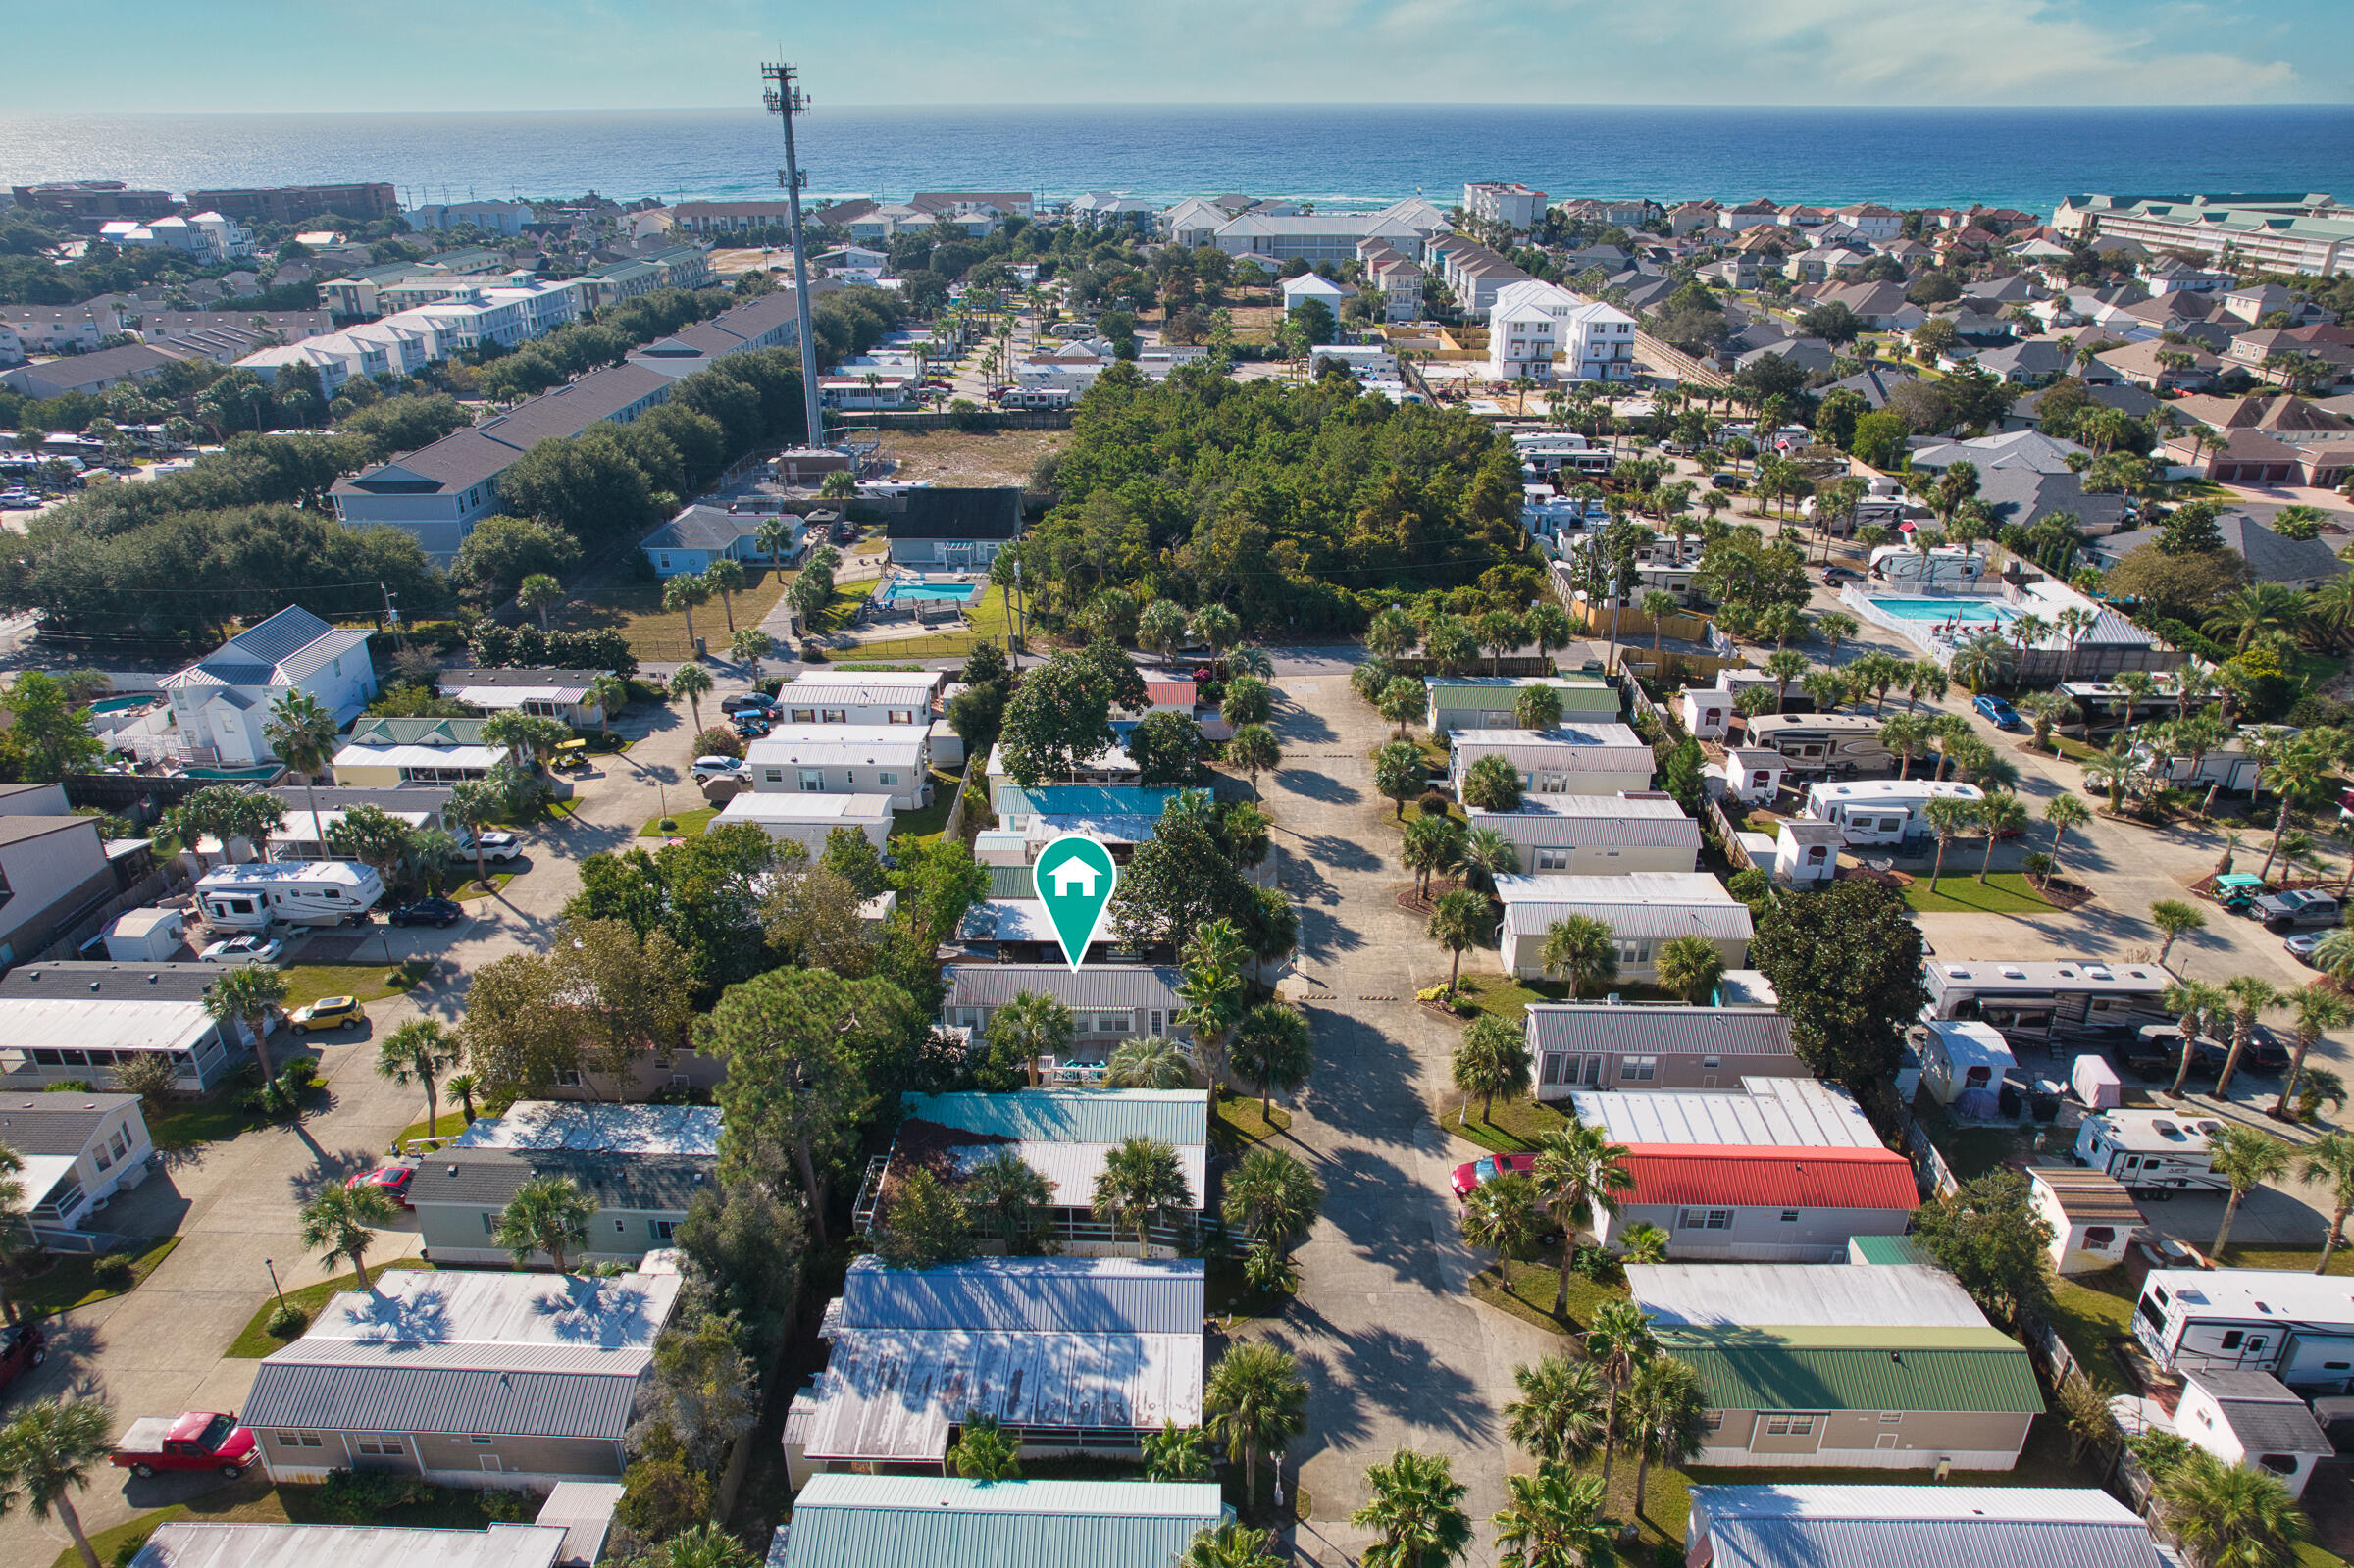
(785, 100)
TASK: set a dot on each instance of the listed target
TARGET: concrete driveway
(158, 1351)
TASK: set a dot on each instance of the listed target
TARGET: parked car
(1487, 1167)
(23, 1347)
(18, 500)
(427, 912)
(243, 950)
(1833, 575)
(201, 1440)
(328, 1012)
(717, 767)
(1727, 481)
(2300, 947)
(1995, 711)
(501, 846)
(2303, 909)
(392, 1179)
(749, 702)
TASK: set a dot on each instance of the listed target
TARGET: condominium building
(1496, 203)
(2274, 233)
(1533, 321)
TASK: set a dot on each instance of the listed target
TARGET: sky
(299, 55)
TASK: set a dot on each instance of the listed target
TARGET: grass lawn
(215, 1117)
(930, 820)
(1528, 1294)
(654, 632)
(2300, 1258)
(2005, 892)
(307, 982)
(1509, 999)
(447, 1124)
(2088, 1310)
(1519, 1123)
(1234, 1122)
(691, 822)
(2073, 750)
(989, 618)
(256, 1341)
(72, 1282)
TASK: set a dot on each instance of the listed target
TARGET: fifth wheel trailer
(2299, 1327)
(261, 893)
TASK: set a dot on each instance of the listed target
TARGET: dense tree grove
(1290, 506)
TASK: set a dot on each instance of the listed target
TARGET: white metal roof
(1801, 1295)
(492, 1313)
(1770, 1112)
(73, 1023)
(632, 1129)
(1955, 1527)
(838, 746)
(753, 805)
(516, 696)
(485, 757)
(1646, 904)
(185, 1543)
(1568, 747)
(2289, 1294)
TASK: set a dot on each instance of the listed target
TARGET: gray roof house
(644, 1164)
(222, 702)
(78, 1021)
(1598, 834)
(466, 1379)
(1110, 1003)
(2026, 497)
(78, 1152)
(1579, 1046)
(948, 526)
(2271, 557)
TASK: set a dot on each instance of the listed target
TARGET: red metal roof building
(1742, 1202)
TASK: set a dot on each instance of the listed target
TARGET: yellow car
(328, 1012)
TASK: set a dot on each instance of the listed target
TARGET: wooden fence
(953, 827)
(1683, 626)
(1929, 1164)
(1650, 351)
(1726, 834)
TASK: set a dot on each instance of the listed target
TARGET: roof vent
(93, 985)
(2014, 972)
(449, 1170)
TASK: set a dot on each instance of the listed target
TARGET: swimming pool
(945, 592)
(1974, 612)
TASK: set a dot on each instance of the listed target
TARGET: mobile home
(2151, 1151)
(1843, 743)
(2298, 1326)
(2049, 1000)
(1884, 811)
(259, 894)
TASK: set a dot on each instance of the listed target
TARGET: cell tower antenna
(784, 99)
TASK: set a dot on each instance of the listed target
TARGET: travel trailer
(2044, 1000)
(2298, 1326)
(259, 894)
(1884, 811)
(2153, 1153)
(1823, 742)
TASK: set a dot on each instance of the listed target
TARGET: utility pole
(785, 100)
(392, 614)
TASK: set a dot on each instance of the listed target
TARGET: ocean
(1334, 155)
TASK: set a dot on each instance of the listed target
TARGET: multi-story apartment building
(1497, 203)
(2272, 232)
(289, 204)
(1531, 321)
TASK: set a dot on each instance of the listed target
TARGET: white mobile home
(1591, 1045)
(1821, 743)
(2151, 1151)
(1486, 701)
(881, 698)
(1569, 759)
(2049, 1000)
(806, 819)
(2252, 1420)
(1643, 910)
(845, 759)
(2298, 1326)
(259, 894)
(1606, 835)
(1884, 811)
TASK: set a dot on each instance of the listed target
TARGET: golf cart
(572, 756)
(2237, 890)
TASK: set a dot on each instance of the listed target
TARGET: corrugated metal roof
(1565, 748)
(1754, 1295)
(391, 1399)
(1954, 1527)
(1744, 1369)
(1760, 1178)
(1096, 986)
(598, 1128)
(1089, 1295)
(494, 1312)
(1178, 1116)
(894, 1394)
(184, 1543)
(1652, 904)
(1889, 1251)
(847, 1521)
(1601, 829)
(1659, 1030)
(1785, 1113)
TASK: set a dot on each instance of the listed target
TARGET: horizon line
(1220, 105)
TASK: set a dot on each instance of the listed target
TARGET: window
(1789, 1426)
(1703, 1219)
(2231, 1339)
(1638, 1068)
(1712, 1061)
(834, 716)
(480, 1442)
(804, 716)
(1890, 1418)
(887, 778)
(388, 1448)
(1714, 1421)
(568, 1078)
(664, 1230)
(813, 781)
(104, 1160)
(1553, 860)
(1593, 1073)
(2101, 1235)
(1789, 1216)
(773, 775)
(901, 716)
(1559, 1067)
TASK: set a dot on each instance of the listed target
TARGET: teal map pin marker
(1075, 876)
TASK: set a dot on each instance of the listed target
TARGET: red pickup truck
(201, 1440)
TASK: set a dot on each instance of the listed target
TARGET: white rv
(2153, 1153)
(1821, 743)
(1884, 811)
(259, 894)
(2298, 1326)
(1948, 564)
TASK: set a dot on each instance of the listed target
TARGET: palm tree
(2329, 1161)
(2197, 1004)
(2064, 812)
(1272, 1197)
(693, 683)
(1999, 815)
(548, 1214)
(303, 735)
(1643, 1242)
(982, 1451)
(682, 593)
(1256, 1400)
(419, 1051)
(1579, 1174)
(1176, 1453)
(1389, 634)
(1141, 1186)
(1554, 1520)
(2333, 955)
(1537, 708)
(247, 995)
(1485, 855)
(1428, 845)
(1491, 1059)
(48, 1453)
(1949, 819)
(1153, 1061)
(1417, 1512)
(1229, 1546)
(1668, 1415)
(1032, 1024)
(1254, 749)
(1619, 1341)
(774, 536)
(2262, 609)
(1404, 700)
(1558, 1418)
(1690, 966)
(2043, 709)
(1784, 665)
(2250, 994)
(1211, 985)
(1582, 950)
(1274, 1048)
(540, 594)
(724, 578)
(2245, 1158)
(1458, 922)
(1908, 734)
(1657, 605)
(2299, 768)
(1005, 1197)
(749, 647)
(474, 804)
(2319, 1010)
(1981, 660)
(337, 1221)
(2228, 1516)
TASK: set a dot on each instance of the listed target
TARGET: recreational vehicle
(1945, 565)
(2044, 1002)
(2299, 1327)
(302, 892)
(2100, 705)
(1821, 743)
(2152, 1153)
(1884, 811)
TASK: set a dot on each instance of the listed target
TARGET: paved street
(157, 1351)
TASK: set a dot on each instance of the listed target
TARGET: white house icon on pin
(1074, 871)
